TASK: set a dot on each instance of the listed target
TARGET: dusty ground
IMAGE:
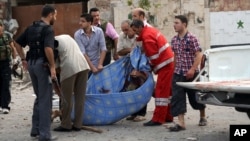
(16, 125)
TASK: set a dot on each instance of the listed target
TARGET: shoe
(139, 118)
(176, 128)
(75, 128)
(202, 122)
(61, 129)
(152, 123)
(169, 121)
(1, 110)
(5, 111)
(131, 118)
(34, 135)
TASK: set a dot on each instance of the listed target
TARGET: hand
(53, 73)
(94, 70)
(25, 65)
(134, 73)
(190, 74)
(14, 61)
(116, 56)
(99, 67)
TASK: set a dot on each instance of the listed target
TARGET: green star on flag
(240, 24)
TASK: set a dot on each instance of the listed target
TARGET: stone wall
(2, 9)
(160, 15)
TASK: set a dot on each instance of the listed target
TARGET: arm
(21, 53)
(197, 57)
(13, 50)
(102, 57)
(49, 41)
(124, 51)
(50, 57)
(115, 55)
(92, 67)
(103, 49)
(111, 32)
(197, 60)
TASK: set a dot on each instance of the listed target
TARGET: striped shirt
(184, 49)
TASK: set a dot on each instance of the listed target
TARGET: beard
(51, 22)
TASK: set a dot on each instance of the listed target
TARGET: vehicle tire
(248, 114)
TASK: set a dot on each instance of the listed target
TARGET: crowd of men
(93, 46)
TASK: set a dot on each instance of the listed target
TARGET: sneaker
(6, 111)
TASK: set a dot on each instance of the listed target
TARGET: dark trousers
(178, 101)
(5, 80)
(42, 86)
(142, 112)
(107, 59)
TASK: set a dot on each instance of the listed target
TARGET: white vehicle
(224, 78)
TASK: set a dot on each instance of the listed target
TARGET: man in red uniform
(161, 58)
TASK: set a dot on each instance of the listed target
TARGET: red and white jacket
(156, 48)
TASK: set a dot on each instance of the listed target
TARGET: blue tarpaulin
(105, 103)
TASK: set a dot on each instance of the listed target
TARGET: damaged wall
(212, 21)
(10, 24)
(160, 15)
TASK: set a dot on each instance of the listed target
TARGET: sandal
(139, 118)
(131, 118)
(176, 128)
(202, 122)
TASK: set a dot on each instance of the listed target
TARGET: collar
(184, 37)
(92, 29)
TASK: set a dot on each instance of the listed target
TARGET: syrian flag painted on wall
(229, 28)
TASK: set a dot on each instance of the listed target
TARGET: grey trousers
(41, 118)
(73, 87)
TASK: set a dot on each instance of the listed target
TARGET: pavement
(16, 125)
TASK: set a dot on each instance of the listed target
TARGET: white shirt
(71, 58)
(125, 42)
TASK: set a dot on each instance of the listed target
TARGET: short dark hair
(137, 23)
(47, 9)
(87, 17)
(93, 10)
(182, 18)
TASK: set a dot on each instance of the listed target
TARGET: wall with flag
(228, 28)
(229, 22)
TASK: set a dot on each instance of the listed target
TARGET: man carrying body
(127, 39)
(161, 58)
(41, 66)
(73, 77)
(111, 36)
(91, 41)
(126, 43)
